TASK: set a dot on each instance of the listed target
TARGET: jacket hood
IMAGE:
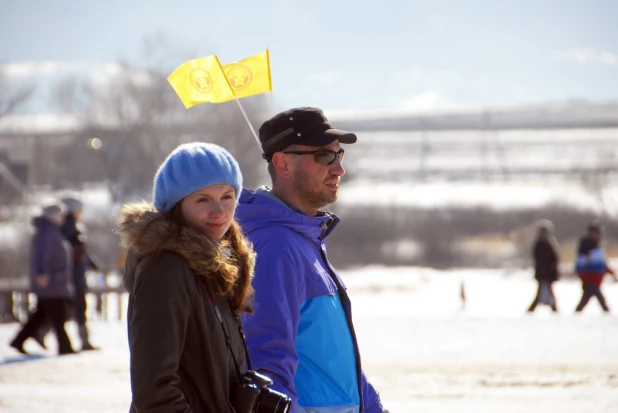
(143, 230)
(257, 209)
(44, 223)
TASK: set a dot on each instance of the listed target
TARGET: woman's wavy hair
(233, 274)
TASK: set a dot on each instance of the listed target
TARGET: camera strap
(242, 334)
(228, 341)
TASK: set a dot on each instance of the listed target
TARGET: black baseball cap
(302, 126)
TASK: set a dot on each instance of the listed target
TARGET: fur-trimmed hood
(143, 230)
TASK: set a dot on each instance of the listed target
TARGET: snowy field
(494, 169)
(422, 348)
(462, 154)
(500, 196)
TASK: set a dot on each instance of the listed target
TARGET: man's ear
(282, 165)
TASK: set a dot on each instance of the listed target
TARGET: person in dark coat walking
(591, 266)
(51, 279)
(75, 233)
(546, 259)
(188, 273)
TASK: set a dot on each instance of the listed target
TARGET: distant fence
(16, 302)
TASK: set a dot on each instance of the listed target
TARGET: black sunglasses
(322, 156)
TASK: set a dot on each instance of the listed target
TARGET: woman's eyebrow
(200, 194)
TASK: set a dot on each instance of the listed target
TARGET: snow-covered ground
(422, 348)
(427, 354)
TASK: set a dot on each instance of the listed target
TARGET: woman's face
(210, 210)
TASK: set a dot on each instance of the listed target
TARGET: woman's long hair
(231, 274)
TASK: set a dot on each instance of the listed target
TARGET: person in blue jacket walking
(51, 278)
(301, 334)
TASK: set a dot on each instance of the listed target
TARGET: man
(591, 266)
(301, 334)
(546, 255)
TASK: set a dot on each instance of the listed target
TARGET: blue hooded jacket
(301, 334)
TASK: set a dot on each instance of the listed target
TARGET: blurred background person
(75, 233)
(51, 278)
(591, 266)
(546, 256)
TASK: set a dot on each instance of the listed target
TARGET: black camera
(252, 395)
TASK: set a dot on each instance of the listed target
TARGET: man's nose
(337, 168)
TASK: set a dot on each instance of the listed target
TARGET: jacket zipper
(345, 300)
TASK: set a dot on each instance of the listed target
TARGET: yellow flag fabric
(250, 76)
(201, 80)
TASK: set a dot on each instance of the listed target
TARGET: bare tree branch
(73, 95)
(11, 98)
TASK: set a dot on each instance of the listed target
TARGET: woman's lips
(215, 226)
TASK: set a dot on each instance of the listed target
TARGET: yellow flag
(201, 80)
(250, 76)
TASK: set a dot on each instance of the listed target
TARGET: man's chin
(332, 198)
(321, 199)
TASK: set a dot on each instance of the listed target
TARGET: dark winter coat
(179, 358)
(51, 264)
(586, 244)
(75, 234)
(546, 257)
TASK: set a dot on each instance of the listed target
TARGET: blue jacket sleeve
(271, 330)
(371, 398)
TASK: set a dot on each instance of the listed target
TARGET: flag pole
(248, 122)
(231, 89)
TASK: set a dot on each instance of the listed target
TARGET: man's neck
(292, 202)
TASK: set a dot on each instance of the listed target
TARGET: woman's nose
(217, 209)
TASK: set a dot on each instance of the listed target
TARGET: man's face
(595, 235)
(315, 184)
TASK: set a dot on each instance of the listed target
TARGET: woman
(187, 261)
(51, 279)
(546, 254)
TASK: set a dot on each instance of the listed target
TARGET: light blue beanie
(192, 166)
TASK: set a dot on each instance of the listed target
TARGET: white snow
(420, 347)
(496, 195)
(495, 169)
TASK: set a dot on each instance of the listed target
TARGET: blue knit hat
(192, 166)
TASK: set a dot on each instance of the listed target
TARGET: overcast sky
(347, 54)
